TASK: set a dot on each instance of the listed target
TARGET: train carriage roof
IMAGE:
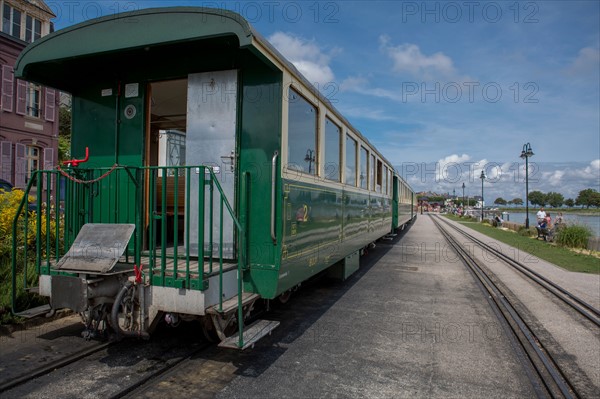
(66, 57)
(43, 60)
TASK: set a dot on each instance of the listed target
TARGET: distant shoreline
(575, 211)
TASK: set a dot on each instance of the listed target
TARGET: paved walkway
(409, 324)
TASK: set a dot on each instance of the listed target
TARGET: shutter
(49, 164)
(20, 165)
(7, 88)
(21, 107)
(6, 161)
(49, 106)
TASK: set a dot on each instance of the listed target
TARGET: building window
(350, 161)
(33, 29)
(32, 159)
(302, 134)
(11, 21)
(332, 151)
(33, 100)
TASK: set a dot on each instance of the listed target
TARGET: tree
(569, 202)
(555, 200)
(64, 133)
(517, 201)
(588, 197)
(500, 201)
(537, 198)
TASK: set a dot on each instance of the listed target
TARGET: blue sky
(444, 89)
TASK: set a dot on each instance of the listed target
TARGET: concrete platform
(410, 323)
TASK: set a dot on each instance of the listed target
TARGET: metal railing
(156, 199)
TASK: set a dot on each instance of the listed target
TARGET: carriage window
(379, 177)
(302, 134)
(350, 161)
(372, 173)
(385, 180)
(364, 158)
(332, 151)
(390, 182)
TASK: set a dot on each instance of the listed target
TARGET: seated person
(542, 224)
(548, 221)
(559, 219)
(498, 220)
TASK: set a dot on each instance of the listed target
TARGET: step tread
(232, 303)
(34, 312)
(251, 334)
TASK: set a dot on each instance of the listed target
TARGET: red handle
(76, 162)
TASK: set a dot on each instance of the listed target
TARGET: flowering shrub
(9, 204)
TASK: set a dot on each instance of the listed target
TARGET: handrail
(273, 195)
(83, 196)
(24, 201)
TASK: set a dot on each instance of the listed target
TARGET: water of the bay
(593, 221)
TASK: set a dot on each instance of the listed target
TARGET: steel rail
(567, 297)
(131, 390)
(52, 366)
(540, 359)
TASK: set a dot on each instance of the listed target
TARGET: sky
(444, 89)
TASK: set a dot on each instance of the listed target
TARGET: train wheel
(208, 329)
(285, 297)
(125, 312)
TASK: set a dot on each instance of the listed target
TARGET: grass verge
(560, 256)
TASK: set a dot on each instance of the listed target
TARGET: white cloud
(306, 55)
(361, 85)
(587, 61)
(408, 57)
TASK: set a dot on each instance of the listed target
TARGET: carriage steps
(253, 332)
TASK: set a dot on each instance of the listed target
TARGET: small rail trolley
(208, 173)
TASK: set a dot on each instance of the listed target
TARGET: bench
(169, 205)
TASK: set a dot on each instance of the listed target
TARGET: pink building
(28, 112)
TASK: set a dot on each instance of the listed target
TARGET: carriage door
(210, 141)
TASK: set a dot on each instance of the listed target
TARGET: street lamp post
(463, 187)
(526, 153)
(310, 158)
(482, 177)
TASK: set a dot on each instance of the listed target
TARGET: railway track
(580, 306)
(155, 359)
(154, 377)
(545, 373)
(52, 366)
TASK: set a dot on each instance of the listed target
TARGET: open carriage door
(210, 141)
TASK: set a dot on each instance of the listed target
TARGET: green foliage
(500, 201)
(573, 236)
(554, 199)
(516, 201)
(557, 255)
(64, 133)
(527, 232)
(537, 198)
(9, 203)
(588, 197)
(569, 202)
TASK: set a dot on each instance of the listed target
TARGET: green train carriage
(212, 163)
